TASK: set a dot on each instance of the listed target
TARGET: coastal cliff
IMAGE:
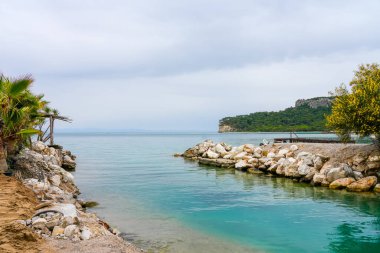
(54, 218)
(306, 115)
(353, 167)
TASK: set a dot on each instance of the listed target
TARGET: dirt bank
(18, 202)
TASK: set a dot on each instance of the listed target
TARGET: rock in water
(362, 185)
(341, 183)
(242, 164)
(340, 172)
(212, 155)
(220, 149)
(68, 163)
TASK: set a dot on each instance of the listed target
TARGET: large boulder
(68, 163)
(339, 172)
(220, 149)
(318, 178)
(190, 153)
(242, 164)
(212, 155)
(283, 152)
(341, 183)
(292, 170)
(30, 164)
(363, 185)
(304, 169)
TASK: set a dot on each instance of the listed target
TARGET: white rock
(283, 152)
(39, 223)
(228, 156)
(220, 149)
(71, 230)
(212, 155)
(241, 164)
(293, 148)
(38, 146)
(240, 155)
(86, 234)
(271, 155)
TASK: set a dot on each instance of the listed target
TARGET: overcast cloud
(183, 65)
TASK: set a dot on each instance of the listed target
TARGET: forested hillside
(307, 115)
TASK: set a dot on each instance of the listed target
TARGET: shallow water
(167, 204)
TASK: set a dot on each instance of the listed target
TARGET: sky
(165, 65)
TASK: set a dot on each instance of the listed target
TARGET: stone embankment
(352, 167)
(60, 215)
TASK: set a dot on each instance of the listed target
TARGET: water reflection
(356, 235)
(352, 238)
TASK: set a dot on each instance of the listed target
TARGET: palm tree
(19, 111)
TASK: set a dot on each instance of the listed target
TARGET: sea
(166, 204)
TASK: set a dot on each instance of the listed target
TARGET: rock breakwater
(352, 167)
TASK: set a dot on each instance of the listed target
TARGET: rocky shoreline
(60, 217)
(352, 167)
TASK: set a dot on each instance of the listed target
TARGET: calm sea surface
(166, 204)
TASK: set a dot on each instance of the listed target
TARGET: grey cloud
(146, 64)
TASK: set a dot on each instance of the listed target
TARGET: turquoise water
(166, 204)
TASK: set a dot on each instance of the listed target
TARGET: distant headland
(307, 115)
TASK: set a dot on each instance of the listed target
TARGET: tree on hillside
(358, 110)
